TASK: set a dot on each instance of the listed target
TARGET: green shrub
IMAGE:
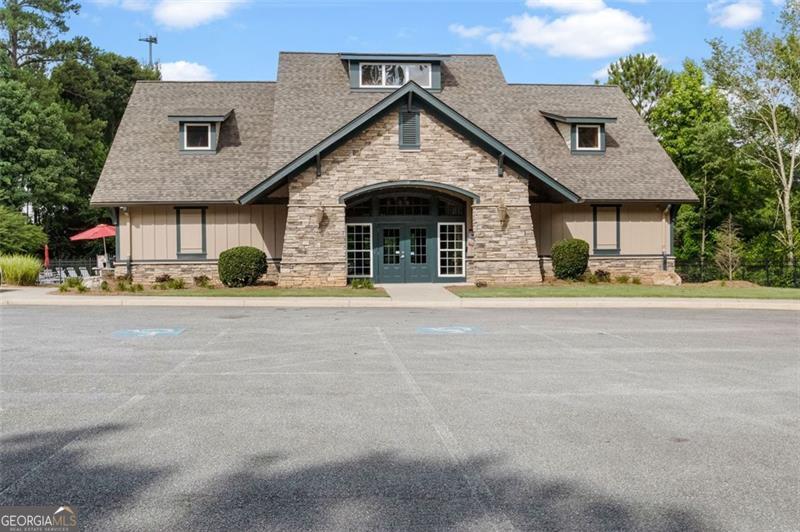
(104, 286)
(176, 284)
(82, 288)
(602, 276)
(592, 279)
(73, 282)
(202, 281)
(622, 279)
(21, 270)
(159, 286)
(241, 266)
(362, 284)
(63, 288)
(636, 280)
(163, 278)
(570, 258)
(137, 287)
(18, 234)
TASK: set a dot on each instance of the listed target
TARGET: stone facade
(644, 267)
(146, 273)
(314, 242)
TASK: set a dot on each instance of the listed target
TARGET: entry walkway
(425, 293)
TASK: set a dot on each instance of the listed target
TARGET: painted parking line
(146, 333)
(449, 329)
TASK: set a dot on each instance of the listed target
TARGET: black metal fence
(61, 269)
(765, 273)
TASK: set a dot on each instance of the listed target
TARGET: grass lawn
(627, 290)
(251, 291)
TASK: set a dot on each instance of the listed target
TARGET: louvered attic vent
(409, 129)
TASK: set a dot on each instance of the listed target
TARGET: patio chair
(71, 272)
(84, 272)
(61, 274)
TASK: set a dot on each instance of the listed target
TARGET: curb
(336, 302)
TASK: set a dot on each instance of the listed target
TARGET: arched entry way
(411, 232)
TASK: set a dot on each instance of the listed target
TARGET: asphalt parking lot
(244, 419)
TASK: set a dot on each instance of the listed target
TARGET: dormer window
(587, 137)
(197, 137)
(393, 75)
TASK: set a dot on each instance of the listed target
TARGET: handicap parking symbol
(146, 333)
(449, 329)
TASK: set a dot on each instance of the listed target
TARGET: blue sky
(536, 41)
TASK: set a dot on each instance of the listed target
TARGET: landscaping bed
(248, 291)
(714, 289)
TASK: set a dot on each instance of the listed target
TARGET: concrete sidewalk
(399, 299)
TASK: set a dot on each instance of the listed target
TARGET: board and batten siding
(644, 228)
(152, 230)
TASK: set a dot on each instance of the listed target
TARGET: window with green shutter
(409, 129)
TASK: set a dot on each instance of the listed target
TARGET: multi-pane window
(451, 249)
(391, 245)
(404, 206)
(363, 208)
(197, 137)
(394, 74)
(359, 250)
(419, 245)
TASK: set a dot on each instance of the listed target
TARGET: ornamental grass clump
(241, 266)
(570, 258)
(20, 270)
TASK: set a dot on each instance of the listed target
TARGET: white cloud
(569, 6)
(127, 5)
(601, 74)
(182, 14)
(185, 71)
(735, 13)
(590, 34)
(469, 32)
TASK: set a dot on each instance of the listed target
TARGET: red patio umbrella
(46, 256)
(98, 231)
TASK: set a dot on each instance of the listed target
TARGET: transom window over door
(451, 250)
(394, 74)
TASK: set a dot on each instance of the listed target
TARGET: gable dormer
(388, 72)
(584, 133)
(199, 129)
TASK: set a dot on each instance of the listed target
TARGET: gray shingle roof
(274, 123)
(146, 165)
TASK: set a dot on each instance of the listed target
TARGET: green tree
(728, 250)
(691, 123)
(642, 79)
(18, 234)
(103, 83)
(762, 78)
(30, 31)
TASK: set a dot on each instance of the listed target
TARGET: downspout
(664, 226)
(128, 265)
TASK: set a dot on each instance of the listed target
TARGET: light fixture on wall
(321, 217)
(502, 213)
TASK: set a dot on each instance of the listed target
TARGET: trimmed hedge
(241, 266)
(570, 258)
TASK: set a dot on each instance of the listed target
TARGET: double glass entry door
(405, 253)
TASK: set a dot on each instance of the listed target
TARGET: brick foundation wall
(314, 254)
(643, 267)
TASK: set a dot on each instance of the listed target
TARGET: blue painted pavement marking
(146, 333)
(450, 329)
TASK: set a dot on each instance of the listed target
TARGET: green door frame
(368, 212)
